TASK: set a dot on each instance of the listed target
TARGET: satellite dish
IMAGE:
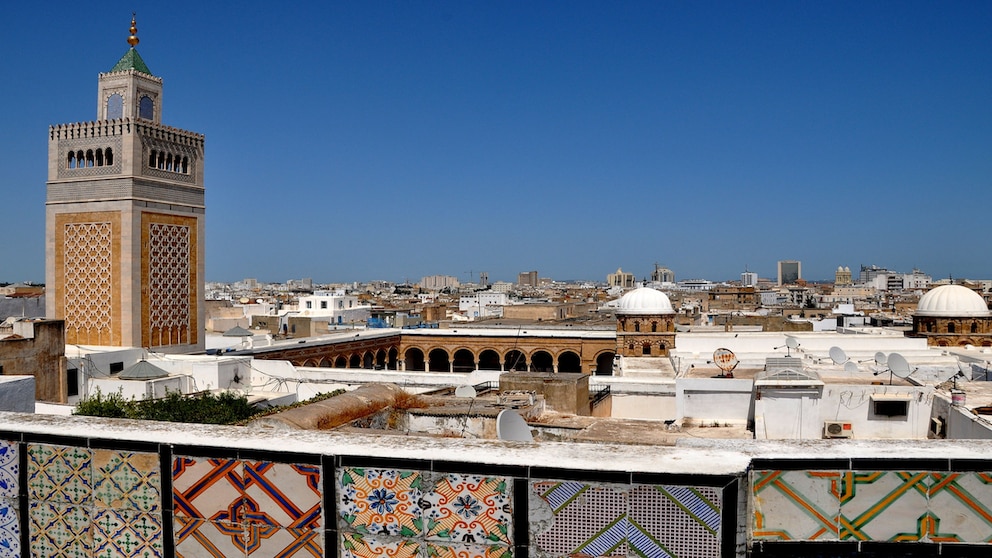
(791, 343)
(838, 355)
(511, 426)
(880, 358)
(465, 391)
(851, 367)
(725, 359)
(899, 366)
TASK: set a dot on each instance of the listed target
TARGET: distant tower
(843, 276)
(789, 272)
(662, 274)
(124, 219)
(749, 278)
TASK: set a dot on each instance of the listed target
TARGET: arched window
(89, 157)
(80, 159)
(70, 163)
(168, 162)
(161, 160)
(99, 157)
(646, 348)
(109, 156)
(115, 107)
(146, 108)
(637, 326)
(974, 327)
(950, 327)
(151, 159)
(185, 165)
(654, 326)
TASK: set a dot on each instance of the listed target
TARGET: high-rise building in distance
(789, 272)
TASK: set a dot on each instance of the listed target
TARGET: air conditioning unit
(837, 429)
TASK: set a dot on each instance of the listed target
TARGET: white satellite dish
(838, 355)
(881, 359)
(851, 367)
(791, 343)
(511, 426)
(899, 366)
(465, 391)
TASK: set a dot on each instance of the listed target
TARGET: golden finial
(133, 39)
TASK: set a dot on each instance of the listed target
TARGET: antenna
(465, 391)
(897, 367)
(851, 367)
(790, 343)
(511, 426)
(838, 355)
(726, 360)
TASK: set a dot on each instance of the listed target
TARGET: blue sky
(392, 140)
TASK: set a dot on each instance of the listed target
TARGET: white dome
(645, 301)
(952, 301)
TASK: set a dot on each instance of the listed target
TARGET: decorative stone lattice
(169, 277)
(88, 292)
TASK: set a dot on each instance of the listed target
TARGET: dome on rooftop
(952, 301)
(645, 300)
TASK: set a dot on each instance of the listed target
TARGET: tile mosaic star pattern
(10, 521)
(248, 507)
(872, 506)
(620, 520)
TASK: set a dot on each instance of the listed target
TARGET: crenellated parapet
(122, 127)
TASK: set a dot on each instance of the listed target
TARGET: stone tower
(124, 220)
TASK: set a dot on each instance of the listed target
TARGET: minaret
(124, 219)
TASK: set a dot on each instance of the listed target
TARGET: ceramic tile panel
(358, 545)
(960, 507)
(205, 488)
(269, 541)
(121, 534)
(674, 521)
(9, 470)
(471, 509)
(374, 501)
(127, 481)
(283, 495)
(883, 505)
(462, 550)
(584, 519)
(59, 474)
(60, 531)
(10, 529)
(797, 505)
(198, 538)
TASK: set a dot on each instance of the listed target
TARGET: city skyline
(354, 142)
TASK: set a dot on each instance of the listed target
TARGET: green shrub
(202, 408)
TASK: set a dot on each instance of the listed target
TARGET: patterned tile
(372, 501)
(127, 481)
(59, 474)
(796, 505)
(268, 541)
(355, 545)
(283, 495)
(205, 488)
(122, 534)
(460, 550)
(587, 520)
(59, 531)
(197, 538)
(883, 505)
(470, 509)
(10, 529)
(960, 507)
(9, 469)
(678, 521)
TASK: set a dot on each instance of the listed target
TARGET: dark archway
(489, 360)
(414, 360)
(569, 362)
(340, 362)
(368, 361)
(463, 362)
(515, 360)
(604, 364)
(542, 361)
(355, 361)
(380, 359)
(439, 361)
(392, 358)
